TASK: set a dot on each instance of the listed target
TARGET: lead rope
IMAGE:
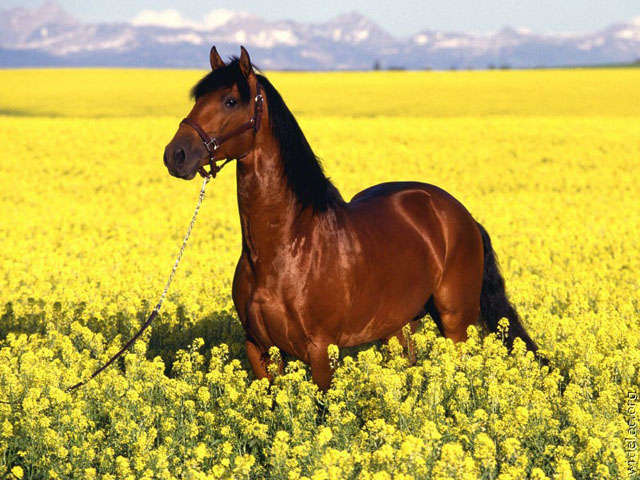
(205, 180)
(155, 311)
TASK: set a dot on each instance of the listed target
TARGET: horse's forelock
(224, 77)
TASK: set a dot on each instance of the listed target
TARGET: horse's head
(224, 120)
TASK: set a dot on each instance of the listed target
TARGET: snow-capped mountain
(48, 36)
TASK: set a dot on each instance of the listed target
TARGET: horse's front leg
(259, 359)
(258, 343)
(321, 370)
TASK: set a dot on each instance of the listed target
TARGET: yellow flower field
(548, 161)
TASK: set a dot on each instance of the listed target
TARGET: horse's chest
(271, 322)
(263, 308)
(285, 297)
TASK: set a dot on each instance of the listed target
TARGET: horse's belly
(387, 316)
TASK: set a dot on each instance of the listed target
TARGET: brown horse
(316, 270)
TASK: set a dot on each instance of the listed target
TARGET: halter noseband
(212, 144)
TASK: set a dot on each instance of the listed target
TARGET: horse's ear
(245, 63)
(214, 59)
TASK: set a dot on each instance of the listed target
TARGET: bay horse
(315, 269)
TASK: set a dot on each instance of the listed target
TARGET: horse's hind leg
(451, 323)
(455, 323)
(456, 298)
(413, 326)
(456, 302)
(457, 309)
(431, 309)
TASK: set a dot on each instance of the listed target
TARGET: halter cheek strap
(212, 144)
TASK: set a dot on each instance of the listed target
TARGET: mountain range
(49, 36)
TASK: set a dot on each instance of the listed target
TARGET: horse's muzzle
(181, 162)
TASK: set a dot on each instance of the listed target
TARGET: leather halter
(212, 144)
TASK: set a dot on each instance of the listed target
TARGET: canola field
(90, 223)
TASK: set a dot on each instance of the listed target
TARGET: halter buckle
(213, 142)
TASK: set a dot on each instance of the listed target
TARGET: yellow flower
(510, 447)
(538, 474)
(324, 436)
(485, 451)
(200, 451)
(17, 472)
(563, 471)
(334, 355)
(7, 429)
(227, 448)
(243, 465)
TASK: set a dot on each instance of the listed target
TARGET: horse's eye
(231, 102)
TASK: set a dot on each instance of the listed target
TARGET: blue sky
(400, 17)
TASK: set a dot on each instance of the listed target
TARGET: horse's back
(424, 198)
(390, 189)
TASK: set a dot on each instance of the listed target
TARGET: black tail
(494, 303)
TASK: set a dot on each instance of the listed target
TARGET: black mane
(302, 168)
(227, 76)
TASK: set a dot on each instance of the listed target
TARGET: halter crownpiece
(212, 144)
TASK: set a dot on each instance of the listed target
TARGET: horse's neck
(267, 206)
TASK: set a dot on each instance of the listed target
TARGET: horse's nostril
(179, 156)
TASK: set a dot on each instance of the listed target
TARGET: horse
(316, 270)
